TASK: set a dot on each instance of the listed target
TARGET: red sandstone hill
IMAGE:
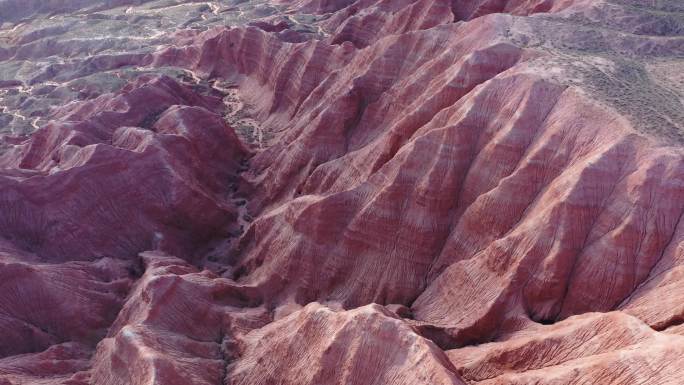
(341, 192)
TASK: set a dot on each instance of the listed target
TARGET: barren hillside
(341, 192)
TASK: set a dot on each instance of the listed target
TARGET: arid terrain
(366, 192)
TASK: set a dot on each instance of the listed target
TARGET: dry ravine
(357, 192)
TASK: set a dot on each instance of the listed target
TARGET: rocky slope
(341, 192)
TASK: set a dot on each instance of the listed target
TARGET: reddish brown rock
(65, 363)
(183, 163)
(612, 346)
(507, 177)
(47, 304)
(179, 326)
(318, 345)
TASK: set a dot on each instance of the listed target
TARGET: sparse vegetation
(622, 62)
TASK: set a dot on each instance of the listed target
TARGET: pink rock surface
(179, 326)
(319, 345)
(341, 192)
(610, 347)
(66, 363)
(77, 202)
(46, 304)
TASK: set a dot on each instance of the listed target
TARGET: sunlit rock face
(341, 192)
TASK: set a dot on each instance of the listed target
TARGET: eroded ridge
(341, 192)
